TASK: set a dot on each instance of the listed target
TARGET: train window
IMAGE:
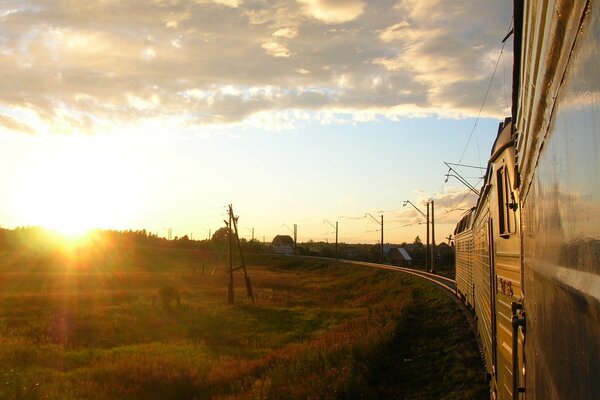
(506, 211)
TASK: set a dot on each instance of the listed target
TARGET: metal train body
(528, 255)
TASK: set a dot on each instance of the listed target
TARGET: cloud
(13, 124)
(287, 32)
(276, 50)
(333, 11)
(395, 32)
(99, 65)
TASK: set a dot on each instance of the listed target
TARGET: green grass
(91, 324)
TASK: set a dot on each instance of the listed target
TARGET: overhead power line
(487, 91)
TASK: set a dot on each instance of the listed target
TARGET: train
(528, 253)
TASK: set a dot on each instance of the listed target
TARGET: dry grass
(92, 325)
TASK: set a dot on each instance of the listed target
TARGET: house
(283, 244)
(399, 256)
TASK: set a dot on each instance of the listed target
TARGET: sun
(76, 185)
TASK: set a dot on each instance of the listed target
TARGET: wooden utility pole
(427, 249)
(243, 266)
(432, 237)
(233, 224)
(230, 249)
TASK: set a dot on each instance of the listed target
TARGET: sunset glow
(130, 115)
(73, 185)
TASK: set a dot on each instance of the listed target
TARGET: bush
(169, 293)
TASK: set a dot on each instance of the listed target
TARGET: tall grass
(96, 328)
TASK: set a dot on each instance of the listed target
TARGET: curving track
(441, 281)
(445, 283)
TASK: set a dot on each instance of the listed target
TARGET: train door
(505, 250)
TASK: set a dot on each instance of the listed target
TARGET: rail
(441, 281)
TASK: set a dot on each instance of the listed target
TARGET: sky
(157, 114)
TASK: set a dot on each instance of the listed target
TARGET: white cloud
(13, 124)
(227, 3)
(395, 32)
(148, 54)
(175, 18)
(333, 11)
(276, 49)
(229, 62)
(287, 32)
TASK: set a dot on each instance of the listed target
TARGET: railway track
(441, 281)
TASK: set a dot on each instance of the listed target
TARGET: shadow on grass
(433, 354)
(246, 328)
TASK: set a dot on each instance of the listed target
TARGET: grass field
(106, 324)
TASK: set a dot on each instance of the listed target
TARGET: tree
(418, 241)
(221, 235)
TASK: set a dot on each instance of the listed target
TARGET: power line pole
(239, 245)
(336, 241)
(381, 224)
(233, 224)
(336, 236)
(382, 238)
(295, 239)
(427, 221)
(428, 250)
(230, 248)
(432, 238)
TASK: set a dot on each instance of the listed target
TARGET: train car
(535, 256)
(463, 241)
(556, 106)
(496, 264)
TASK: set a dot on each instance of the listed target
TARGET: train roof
(465, 222)
(503, 140)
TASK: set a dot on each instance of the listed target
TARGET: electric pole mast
(381, 224)
(336, 236)
(336, 240)
(432, 238)
(382, 238)
(295, 239)
(427, 249)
